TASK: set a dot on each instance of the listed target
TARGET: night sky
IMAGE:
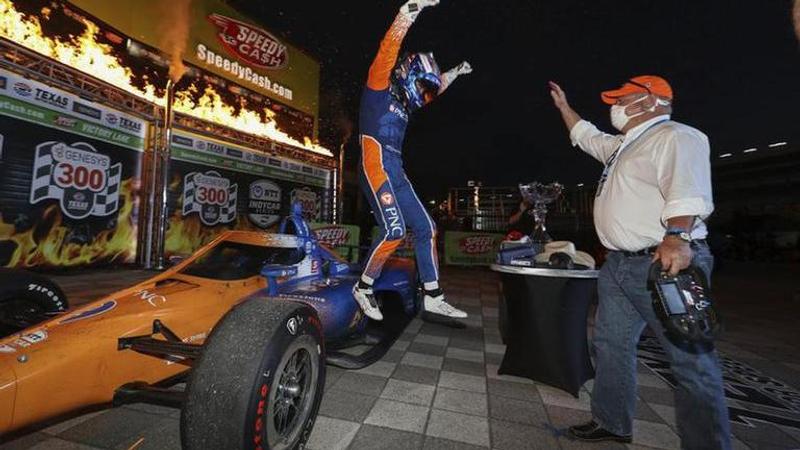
(734, 67)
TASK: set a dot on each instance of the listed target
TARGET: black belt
(649, 251)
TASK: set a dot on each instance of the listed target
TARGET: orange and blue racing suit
(383, 121)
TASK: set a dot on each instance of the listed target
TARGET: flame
(86, 54)
(187, 234)
(212, 108)
(47, 243)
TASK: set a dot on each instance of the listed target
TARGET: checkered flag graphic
(41, 188)
(189, 203)
(227, 213)
(107, 201)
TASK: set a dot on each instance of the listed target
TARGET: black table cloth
(543, 322)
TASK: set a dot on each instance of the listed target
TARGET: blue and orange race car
(248, 322)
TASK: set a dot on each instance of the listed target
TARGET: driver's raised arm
(381, 69)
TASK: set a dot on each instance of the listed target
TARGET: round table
(543, 321)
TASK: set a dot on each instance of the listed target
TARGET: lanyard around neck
(613, 158)
(623, 145)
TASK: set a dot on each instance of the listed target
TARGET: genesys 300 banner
(69, 171)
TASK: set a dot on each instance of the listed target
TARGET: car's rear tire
(27, 298)
(259, 381)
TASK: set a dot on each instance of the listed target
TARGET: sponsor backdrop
(342, 238)
(226, 43)
(216, 186)
(69, 171)
(471, 249)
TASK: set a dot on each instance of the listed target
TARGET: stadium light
(777, 144)
(750, 150)
(580, 184)
(726, 155)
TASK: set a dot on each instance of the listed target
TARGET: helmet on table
(416, 80)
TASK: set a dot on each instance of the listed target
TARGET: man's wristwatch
(681, 233)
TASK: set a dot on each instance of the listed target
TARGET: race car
(248, 322)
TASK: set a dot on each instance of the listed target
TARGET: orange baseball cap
(645, 84)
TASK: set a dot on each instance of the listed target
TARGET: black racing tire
(27, 298)
(263, 356)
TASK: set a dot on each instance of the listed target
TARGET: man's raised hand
(559, 97)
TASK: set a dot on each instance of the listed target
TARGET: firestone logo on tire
(250, 44)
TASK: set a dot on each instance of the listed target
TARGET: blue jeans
(624, 310)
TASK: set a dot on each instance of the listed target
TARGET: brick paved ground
(438, 388)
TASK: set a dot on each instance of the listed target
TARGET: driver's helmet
(416, 80)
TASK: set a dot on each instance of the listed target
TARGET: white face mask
(619, 119)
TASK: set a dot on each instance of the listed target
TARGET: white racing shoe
(435, 304)
(366, 300)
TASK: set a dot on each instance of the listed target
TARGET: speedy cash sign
(250, 44)
(477, 244)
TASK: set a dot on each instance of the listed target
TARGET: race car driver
(394, 90)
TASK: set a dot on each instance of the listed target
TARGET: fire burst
(86, 54)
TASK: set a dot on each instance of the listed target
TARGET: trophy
(540, 195)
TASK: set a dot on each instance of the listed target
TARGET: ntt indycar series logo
(264, 204)
(250, 44)
(210, 195)
(83, 181)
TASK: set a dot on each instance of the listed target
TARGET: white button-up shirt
(662, 170)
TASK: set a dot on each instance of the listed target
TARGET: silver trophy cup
(540, 195)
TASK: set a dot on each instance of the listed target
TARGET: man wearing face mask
(651, 201)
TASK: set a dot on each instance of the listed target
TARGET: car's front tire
(259, 381)
(27, 298)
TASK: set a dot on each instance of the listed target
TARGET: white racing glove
(412, 8)
(461, 69)
(450, 76)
